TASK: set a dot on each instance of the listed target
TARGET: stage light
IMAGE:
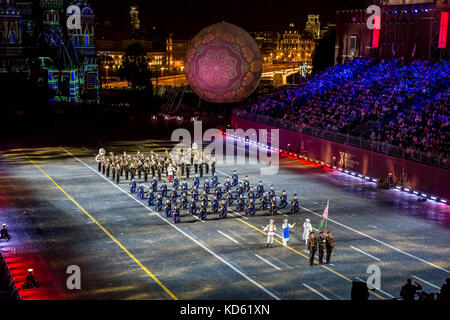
(424, 195)
(415, 192)
(406, 189)
(398, 187)
(360, 176)
(433, 198)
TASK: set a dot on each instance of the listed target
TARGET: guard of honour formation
(183, 196)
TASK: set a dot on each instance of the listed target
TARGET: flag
(324, 217)
(414, 50)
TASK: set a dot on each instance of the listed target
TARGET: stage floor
(59, 208)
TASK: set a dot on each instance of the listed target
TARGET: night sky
(186, 18)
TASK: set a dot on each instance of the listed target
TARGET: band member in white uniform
(307, 229)
(270, 228)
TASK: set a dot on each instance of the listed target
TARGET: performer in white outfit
(307, 229)
(270, 228)
(286, 227)
(170, 173)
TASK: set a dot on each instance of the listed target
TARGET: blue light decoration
(342, 171)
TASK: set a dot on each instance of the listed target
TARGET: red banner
(430, 180)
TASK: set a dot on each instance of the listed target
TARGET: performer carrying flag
(324, 219)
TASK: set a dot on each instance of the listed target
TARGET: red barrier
(427, 179)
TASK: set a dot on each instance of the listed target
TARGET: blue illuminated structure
(67, 58)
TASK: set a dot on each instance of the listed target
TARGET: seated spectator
(407, 102)
(4, 233)
(30, 282)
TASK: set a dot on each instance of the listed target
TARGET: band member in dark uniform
(188, 170)
(223, 209)
(322, 243)
(113, 170)
(273, 206)
(206, 165)
(312, 247)
(192, 207)
(159, 201)
(159, 173)
(176, 214)
(251, 207)
(119, 169)
(294, 204)
(127, 170)
(213, 165)
(203, 213)
(108, 168)
(329, 245)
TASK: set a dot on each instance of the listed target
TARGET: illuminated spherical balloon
(223, 64)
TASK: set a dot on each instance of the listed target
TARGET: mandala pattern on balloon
(223, 64)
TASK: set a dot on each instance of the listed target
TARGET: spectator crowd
(401, 103)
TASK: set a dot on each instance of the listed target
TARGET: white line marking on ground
(316, 292)
(238, 235)
(244, 217)
(273, 295)
(306, 251)
(198, 219)
(279, 261)
(379, 241)
(268, 262)
(363, 252)
(372, 238)
(428, 283)
(382, 291)
(227, 236)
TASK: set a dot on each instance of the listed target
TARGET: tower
(52, 32)
(10, 33)
(134, 19)
(313, 25)
(83, 41)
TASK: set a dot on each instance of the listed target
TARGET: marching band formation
(203, 197)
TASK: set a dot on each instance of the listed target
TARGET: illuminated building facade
(313, 25)
(116, 49)
(134, 19)
(267, 42)
(293, 47)
(176, 52)
(409, 29)
(31, 31)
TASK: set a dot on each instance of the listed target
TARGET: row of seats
(8, 289)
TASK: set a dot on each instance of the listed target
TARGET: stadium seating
(405, 104)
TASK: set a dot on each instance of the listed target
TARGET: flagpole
(326, 220)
